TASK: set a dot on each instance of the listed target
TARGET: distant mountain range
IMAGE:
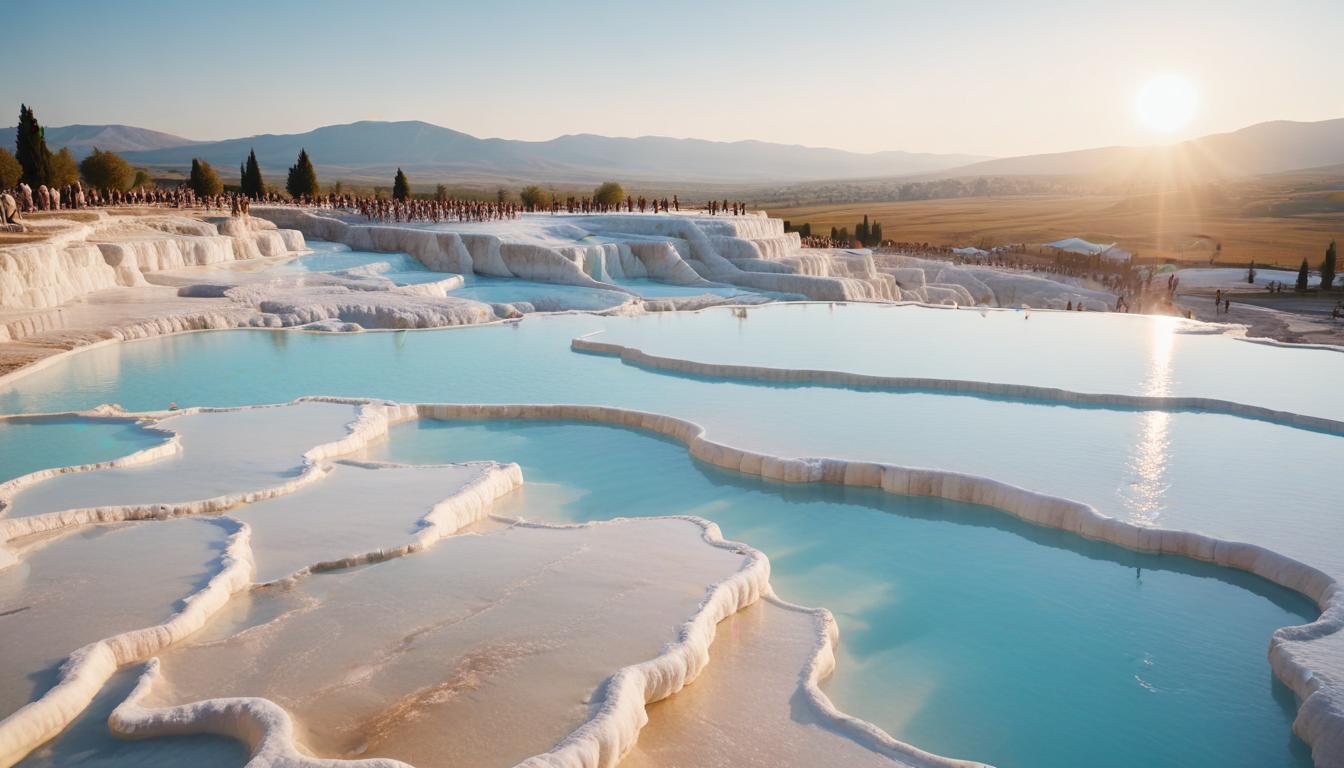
(81, 139)
(431, 153)
(1264, 148)
(371, 148)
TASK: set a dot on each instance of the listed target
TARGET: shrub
(107, 170)
(535, 198)
(10, 170)
(610, 193)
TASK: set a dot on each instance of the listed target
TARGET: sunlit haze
(975, 77)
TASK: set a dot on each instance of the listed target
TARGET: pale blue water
(963, 631)
(653, 289)
(1230, 477)
(400, 268)
(1089, 351)
(546, 297)
(27, 445)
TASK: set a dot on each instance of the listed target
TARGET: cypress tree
(1302, 276)
(1328, 268)
(302, 178)
(861, 232)
(31, 149)
(876, 233)
(203, 180)
(251, 182)
(401, 188)
(835, 233)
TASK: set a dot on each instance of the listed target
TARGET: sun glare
(1167, 103)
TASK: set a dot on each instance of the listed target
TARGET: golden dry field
(1272, 226)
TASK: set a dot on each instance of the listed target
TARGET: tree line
(869, 234)
(1328, 271)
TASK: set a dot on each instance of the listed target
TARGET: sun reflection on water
(1146, 491)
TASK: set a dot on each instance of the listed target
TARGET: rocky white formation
(940, 282)
(596, 250)
(119, 251)
(1302, 656)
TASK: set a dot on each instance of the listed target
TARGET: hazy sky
(996, 78)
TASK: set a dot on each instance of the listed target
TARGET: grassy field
(1269, 224)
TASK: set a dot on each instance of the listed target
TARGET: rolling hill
(81, 139)
(1264, 148)
(371, 148)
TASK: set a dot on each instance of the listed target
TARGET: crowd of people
(77, 196)
(371, 207)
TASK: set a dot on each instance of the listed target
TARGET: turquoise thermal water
(546, 297)
(400, 268)
(30, 444)
(955, 619)
(1230, 477)
(1156, 467)
(1087, 352)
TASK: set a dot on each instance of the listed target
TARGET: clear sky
(994, 78)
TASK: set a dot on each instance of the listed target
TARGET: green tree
(401, 187)
(610, 193)
(106, 170)
(441, 193)
(203, 180)
(1328, 268)
(535, 198)
(302, 177)
(142, 179)
(875, 234)
(250, 182)
(1303, 275)
(31, 149)
(861, 232)
(10, 170)
(64, 168)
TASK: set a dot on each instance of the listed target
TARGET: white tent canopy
(1107, 251)
(970, 251)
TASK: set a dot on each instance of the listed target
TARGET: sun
(1167, 103)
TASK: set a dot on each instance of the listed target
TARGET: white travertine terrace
(1306, 658)
(1298, 654)
(932, 281)
(120, 251)
(300, 485)
(276, 441)
(511, 604)
(593, 250)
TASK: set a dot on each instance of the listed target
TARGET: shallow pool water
(545, 297)
(28, 445)
(955, 619)
(956, 609)
(1222, 475)
(1088, 352)
(400, 268)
